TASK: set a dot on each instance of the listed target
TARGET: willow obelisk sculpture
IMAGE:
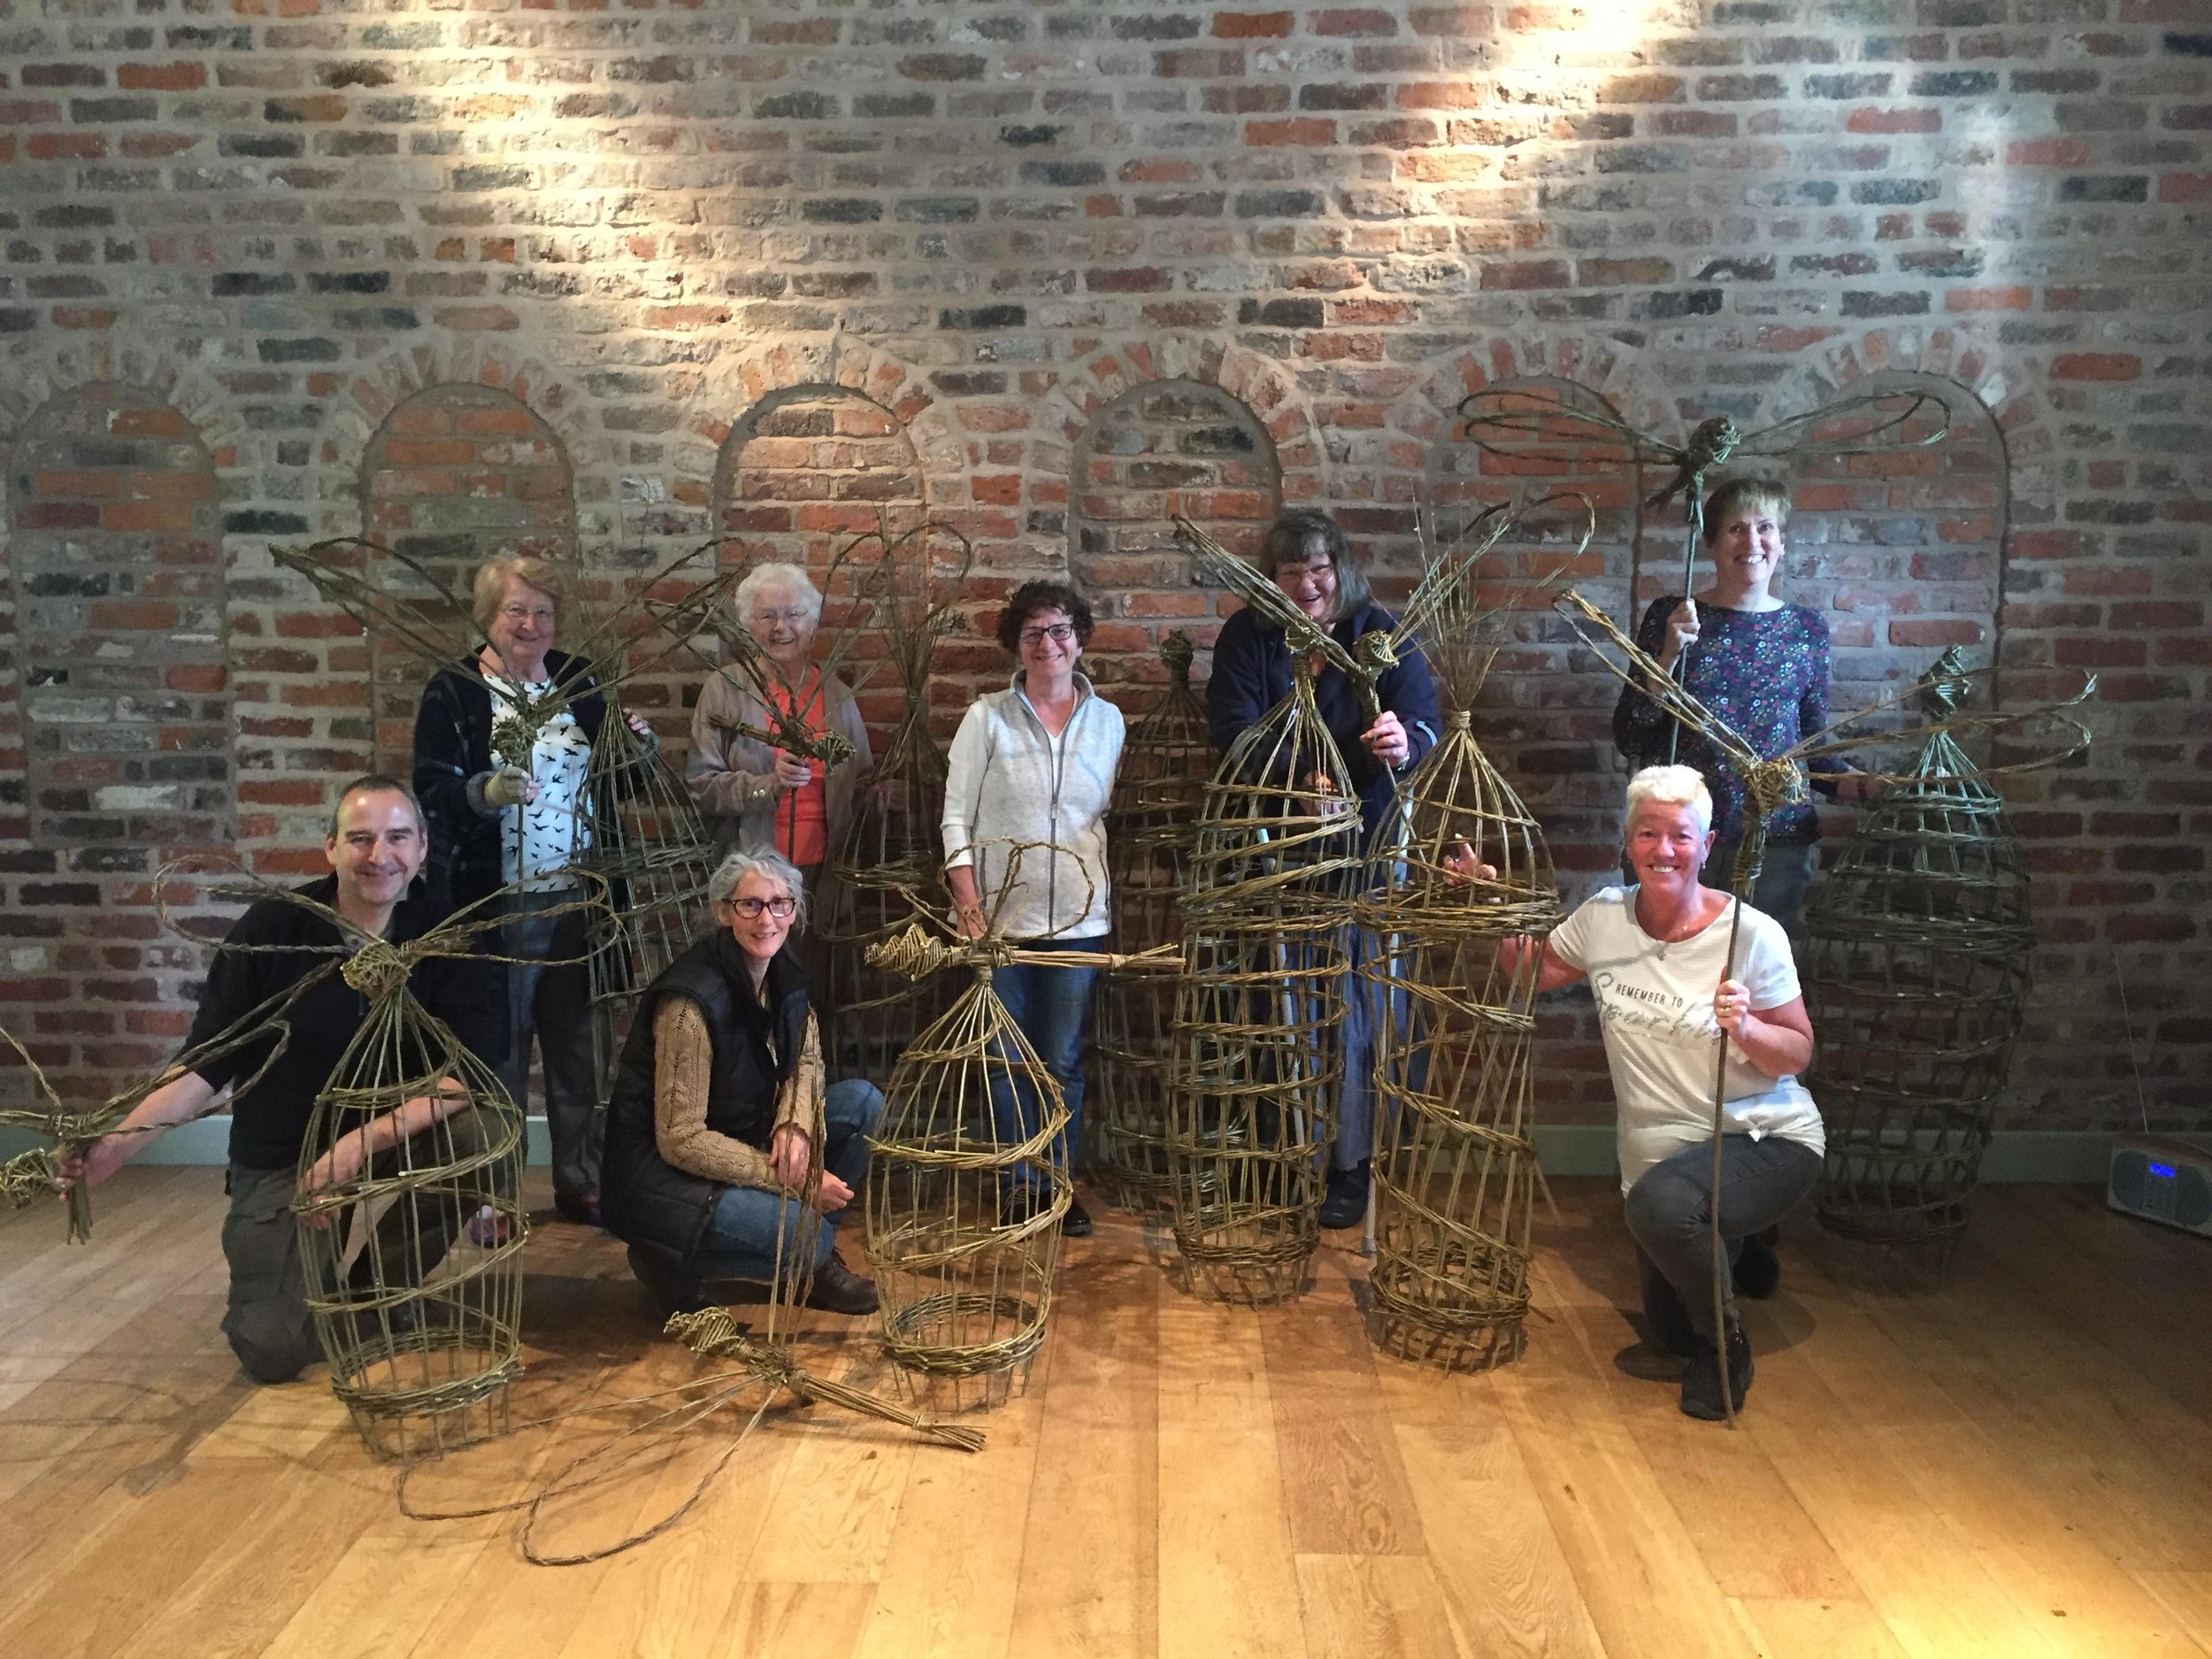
(1465, 868)
(1254, 1073)
(1158, 792)
(1918, 949)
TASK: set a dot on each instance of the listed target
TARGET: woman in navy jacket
(1306, 554)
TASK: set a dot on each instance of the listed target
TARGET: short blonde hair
(776, 574)
(1744, 495)
(493, 575)
(1671, 786)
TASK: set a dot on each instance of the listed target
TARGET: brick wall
(1012, 258)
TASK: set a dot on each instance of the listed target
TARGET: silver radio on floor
(2162, 1179)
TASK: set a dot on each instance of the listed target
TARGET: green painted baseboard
(2014, 1155)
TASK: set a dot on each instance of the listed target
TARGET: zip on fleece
(1059, 748)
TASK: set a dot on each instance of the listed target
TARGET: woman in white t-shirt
(1656, 958)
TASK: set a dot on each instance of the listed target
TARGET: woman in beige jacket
(755, 795)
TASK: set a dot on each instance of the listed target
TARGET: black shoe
(1344, 1205)
(1701, 1381)
(672, 1294)
(838, 1289)
(1758, 1269)
(1076, 1224)
(580, 1208)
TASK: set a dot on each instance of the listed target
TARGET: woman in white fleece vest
(1029, 774)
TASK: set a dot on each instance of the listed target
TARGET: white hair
(1672, 786)
(786, 578)
(723, 884)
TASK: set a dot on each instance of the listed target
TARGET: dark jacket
(453, 757)
(645, 1200)
(268, 1123)
(1251, 675)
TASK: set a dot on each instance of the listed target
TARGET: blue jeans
(740, 1242)
(1052, 1007)
(1366, 1006)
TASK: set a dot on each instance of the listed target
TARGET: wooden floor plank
(2017, 1465)
(1722, 1487)
(1356, 1606)
(1497, 1562)
(2058, 1580)
(1787, 1628)
(1920, 1574)
(2188, 1596)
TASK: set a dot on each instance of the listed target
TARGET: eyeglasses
(543, 617)
(780, 907)
(1059, 634)
(796, 616)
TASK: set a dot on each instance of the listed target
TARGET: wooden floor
(2018, 1465)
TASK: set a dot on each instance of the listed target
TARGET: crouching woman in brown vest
(719, 1106)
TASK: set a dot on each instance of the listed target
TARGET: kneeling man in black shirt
(376, 846)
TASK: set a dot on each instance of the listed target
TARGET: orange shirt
(803, 815)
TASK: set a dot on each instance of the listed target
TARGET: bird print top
(540, 838)
(1765, 672)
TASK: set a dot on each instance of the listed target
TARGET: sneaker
(1076, 1224)
(1344, 1205)
(838, 1289)
(490, 1228)
(1758, 1269)
(1701, 1380)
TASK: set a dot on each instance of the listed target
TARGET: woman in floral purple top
(1760, 664)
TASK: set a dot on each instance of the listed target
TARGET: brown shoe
(838, 1289)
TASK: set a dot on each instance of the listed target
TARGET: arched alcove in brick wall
(805, 471)
(116, 548)
(1546, 711)
(454, 474)
(1161, 449)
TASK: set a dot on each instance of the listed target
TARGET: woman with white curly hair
(754, 793)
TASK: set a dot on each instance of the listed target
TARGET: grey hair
(1672, 786)
(777, 574)
(746, 861)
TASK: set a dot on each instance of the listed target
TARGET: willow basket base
(1448, 1347)
(1244, 1262)
(1910, 1221)
(394, 1408)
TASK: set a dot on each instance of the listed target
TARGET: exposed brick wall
(654, 225)
(1159, 450)
(455, 475)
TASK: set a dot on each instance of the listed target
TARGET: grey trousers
(548, 1003)
(267, 1323)
(1670, 1210)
